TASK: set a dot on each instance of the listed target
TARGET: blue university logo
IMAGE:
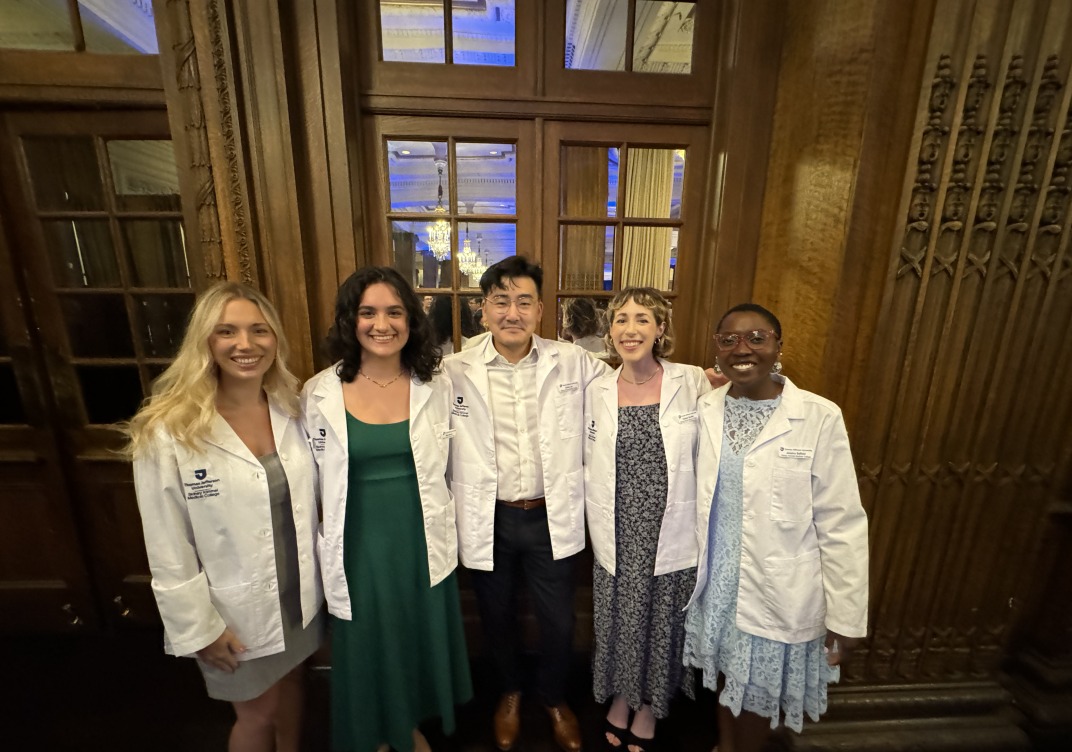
(323, 432)
(200, 474)
(459, 399)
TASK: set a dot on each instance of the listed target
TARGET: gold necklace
(383, 386)
(645, 381)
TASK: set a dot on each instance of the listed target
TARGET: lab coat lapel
(672, 379)
(328, 396)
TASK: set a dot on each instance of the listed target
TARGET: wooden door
(43, 581)
(622, 206)
(99, 246)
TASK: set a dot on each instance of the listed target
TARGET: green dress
(402, 659)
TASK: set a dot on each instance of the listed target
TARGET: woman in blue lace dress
(781, 587)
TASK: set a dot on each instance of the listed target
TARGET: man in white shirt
(518, 485)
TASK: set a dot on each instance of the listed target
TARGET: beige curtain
(584, 172)
(648, 190)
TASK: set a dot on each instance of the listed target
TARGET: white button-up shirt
(515, 423)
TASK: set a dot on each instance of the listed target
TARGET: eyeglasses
(501, 304)
(755, 339)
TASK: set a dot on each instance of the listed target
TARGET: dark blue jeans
(523, 546)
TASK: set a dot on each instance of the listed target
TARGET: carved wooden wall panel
(965, 434)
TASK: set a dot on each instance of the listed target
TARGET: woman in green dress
(378, 421)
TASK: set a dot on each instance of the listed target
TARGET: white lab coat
(208, 534)
(563, 372)
(679, 422)
(324, 415)
(804, 534)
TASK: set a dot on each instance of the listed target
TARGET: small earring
(777, 368)
(717, 369)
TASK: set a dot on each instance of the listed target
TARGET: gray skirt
(254, 677)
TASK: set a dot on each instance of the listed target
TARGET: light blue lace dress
(763, 676)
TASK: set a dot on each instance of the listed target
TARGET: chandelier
(439, 231)
(468, 260)
(479, 265)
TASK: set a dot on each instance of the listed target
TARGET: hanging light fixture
(439, 231)
(480, 265)
(468, 261)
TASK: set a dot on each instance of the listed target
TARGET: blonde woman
(641, 431)
(225, 483)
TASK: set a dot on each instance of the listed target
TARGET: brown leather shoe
(567, 731)
(507, 720)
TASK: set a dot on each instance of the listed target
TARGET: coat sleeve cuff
(190, 620)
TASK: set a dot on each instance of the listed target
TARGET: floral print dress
(763, 676)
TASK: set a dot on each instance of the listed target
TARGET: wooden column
(267, 158)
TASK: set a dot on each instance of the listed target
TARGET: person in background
(517, 477)
(582, 324)
(378, 421)
(225, 485)
(641, 431)
(781, 588)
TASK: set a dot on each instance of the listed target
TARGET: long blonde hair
(182, 401)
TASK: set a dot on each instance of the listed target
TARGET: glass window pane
(97, 325)
(653, 183)
(483, 32)
(587, 257)
(413, 32)
(440, 310)
(647, 255)
(487, 178)
(491, 242)
(110, 393)
(583, 322)
(156, 251)
(595, 34)
(414, 259)
(118, 26)
(662, 37)
(11, 411)
(82, 253)
(145, 175)
(162, 322)
(419, 176)
(589, 181)
(37, 25)
(153, 371)
(64, 173)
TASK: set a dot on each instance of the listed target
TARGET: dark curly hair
(775, 324)
(420, 354)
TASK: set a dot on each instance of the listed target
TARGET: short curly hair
(653, 300)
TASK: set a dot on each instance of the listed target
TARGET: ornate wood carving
(194, 47)
(958, 463)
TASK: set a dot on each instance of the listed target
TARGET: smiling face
(633, 331)
(242, 343)
(512, 314)
(749, 370)
(382, 322)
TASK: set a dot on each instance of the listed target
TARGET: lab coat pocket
(240, 610)
(793, 592)
(677, 536)
(569, 408)
(790, 493)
